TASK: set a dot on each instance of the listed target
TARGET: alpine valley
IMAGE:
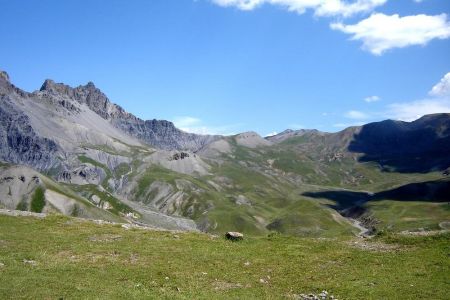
(69, 150)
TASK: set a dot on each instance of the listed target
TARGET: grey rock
(234, 236)
(19, 143)
(158, 133)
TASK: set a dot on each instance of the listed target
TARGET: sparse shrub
(76, 210)
(22, 205)
(38, 200)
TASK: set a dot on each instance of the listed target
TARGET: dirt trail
(363, 231)
(17, 213)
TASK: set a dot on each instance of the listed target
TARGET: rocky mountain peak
(87, 94)
(90, 85)
(286, 131)
(4, 76)
(248, 134)
(251, 139)
(56, 88)
(7, 87)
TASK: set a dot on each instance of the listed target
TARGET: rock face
(19, 142)
(158, 133)
(36, 129)
(289, 133)
(178, 156)
(234, 236)
(251, 140)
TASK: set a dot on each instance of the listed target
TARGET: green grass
(109, 174)
(85, 159)
(106, 149)
(121, 169)
(4, 164)
(38, 200)
(270, 202)
(82, 203)
(75, 259)
(409, 215)
(89, 189)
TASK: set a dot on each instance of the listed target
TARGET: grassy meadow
(65, 258)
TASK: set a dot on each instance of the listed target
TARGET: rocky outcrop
(289, 133)
(162, 134)
(251, 140)
(158, 133)
(37, 128)
(19, 143)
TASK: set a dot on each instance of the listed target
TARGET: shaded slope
(420, 146)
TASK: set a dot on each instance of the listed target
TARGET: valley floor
(65, 258)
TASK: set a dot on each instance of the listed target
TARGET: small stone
(29, 261)
(167, 278)
(204, 273)
(2, 265)
(234, 236)
(126, 226)
(247, 263)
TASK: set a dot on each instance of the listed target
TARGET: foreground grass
(59, 257)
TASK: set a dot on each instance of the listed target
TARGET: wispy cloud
(186, 121)
(320, 7)
(196, 125)
(378, 32)
(381, 32)
(438, 103)
(345, 125)
(372, 99)
(410, 111)
(442, 88)
(271, 134)
(357, 115)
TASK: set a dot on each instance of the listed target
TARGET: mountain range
(72, 151)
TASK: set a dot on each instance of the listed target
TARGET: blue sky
(227, 66)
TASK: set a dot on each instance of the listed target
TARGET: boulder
(234, 236)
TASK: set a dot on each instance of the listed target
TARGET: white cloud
(320, 7)
(195, 125)
(411, 111)
(186, 121)
(372, 99)
(356, 115)
(440, 103)
(442, 88)
(345, 125)
(381, 32)
(271, 134)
